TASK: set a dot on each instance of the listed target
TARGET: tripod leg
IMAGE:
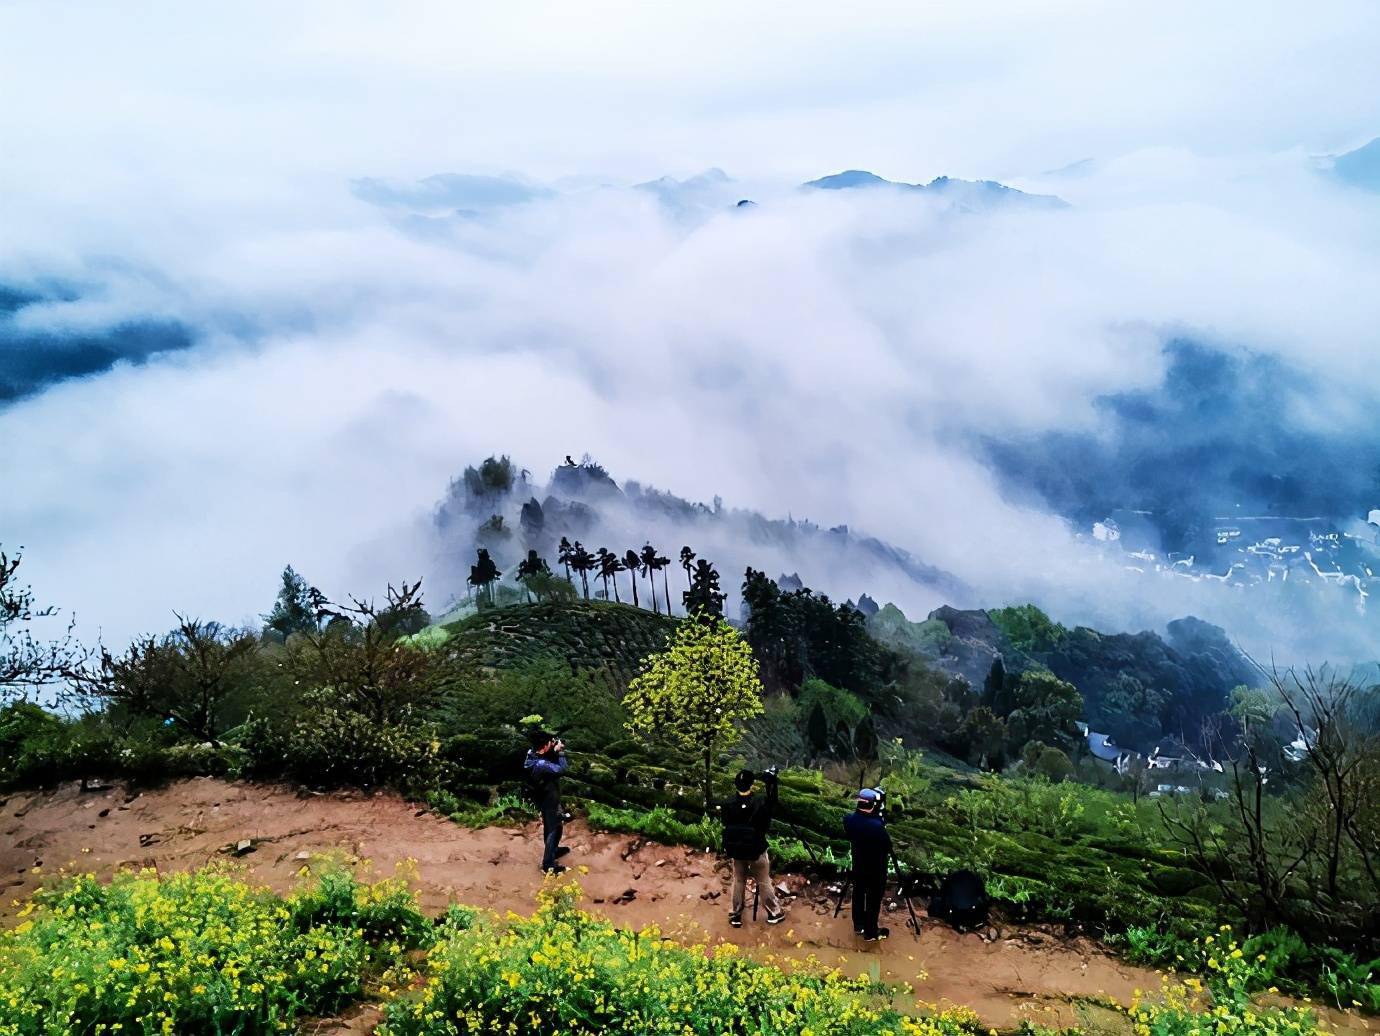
(843, 894)
(756, 895)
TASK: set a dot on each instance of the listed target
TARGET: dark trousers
(551, 825)
(869, 882)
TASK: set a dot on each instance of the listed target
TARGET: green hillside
(589, 635)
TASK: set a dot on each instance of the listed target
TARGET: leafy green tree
(696, 694)
(294, 611)
(1042, 760)
(984, 737)
(1130, 712)
(1046, 709)
(1028, 628)
(632, 562)
(582, 561)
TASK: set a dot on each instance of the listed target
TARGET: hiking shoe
(556, 868)
(561, 850)
(735, 920)
(881, 933)
(776, 918)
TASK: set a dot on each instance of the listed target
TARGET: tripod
(902, 892)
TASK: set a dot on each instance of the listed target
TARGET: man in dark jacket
(866, 829)
(544, 765)
(746, 820)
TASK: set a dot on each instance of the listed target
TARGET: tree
(186, 678)
(687, 559)
(984, 736)
(1045, 708)
(695, 694)
(704, 597)
(1130, 712)
(529, 567)
(609, 567)
(294, 611)
(632, 563)
(662, 564)
(357, 657)
(564, 553)
(483, 574)
(582, 561)
(26, 662)
(648, 559)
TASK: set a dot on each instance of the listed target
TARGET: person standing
(866, 830)
(544, 764)
(746, 821)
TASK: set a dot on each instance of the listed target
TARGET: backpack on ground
(962, 901)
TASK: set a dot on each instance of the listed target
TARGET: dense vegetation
(989, 774)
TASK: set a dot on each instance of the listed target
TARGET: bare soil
(1005, 976)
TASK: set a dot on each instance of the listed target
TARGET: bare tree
(358, 656)
(28, 662)
(185, 678)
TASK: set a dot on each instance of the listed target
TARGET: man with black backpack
(746, 820)
(544, 764)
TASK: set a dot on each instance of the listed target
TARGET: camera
(769, 774)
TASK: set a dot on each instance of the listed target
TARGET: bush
(563, 971)
(327, 745)
(201, 952)
(659, 823)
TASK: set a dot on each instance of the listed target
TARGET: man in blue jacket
(866, 829)
(544, 765)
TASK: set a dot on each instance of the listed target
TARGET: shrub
(659, 823)
(201, 952)
(563, 971)
(328, 745)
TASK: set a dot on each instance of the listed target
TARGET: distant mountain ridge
(983, 193)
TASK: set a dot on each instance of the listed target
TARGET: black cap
(540, 738)
(744, 780)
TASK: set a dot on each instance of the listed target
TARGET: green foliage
(201, 952)
(696, 694)
(581, 704)
(608, 639)
(1028, 628)
(890, 626)
(1001, 804)
(294, 611)
(659, 823)
(800, 634)
(1044, 708)
(328, 743)
(564, 971)
(1278, 958)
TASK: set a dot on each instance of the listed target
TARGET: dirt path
(1022, 974)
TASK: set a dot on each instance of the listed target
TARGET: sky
(330, 361)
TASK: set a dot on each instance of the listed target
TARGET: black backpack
(962, 901)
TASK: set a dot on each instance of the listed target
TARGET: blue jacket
(871, 842)
(545, 776)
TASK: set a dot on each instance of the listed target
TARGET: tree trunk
(666, 584)
(632, 576)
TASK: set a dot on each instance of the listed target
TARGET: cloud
(839, 355)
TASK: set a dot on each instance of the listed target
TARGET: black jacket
(746, 820)
(871, 842)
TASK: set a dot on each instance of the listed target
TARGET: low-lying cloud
(365, 325)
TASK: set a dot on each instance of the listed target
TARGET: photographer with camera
(866, 830)
(544, 765)
(746, 820)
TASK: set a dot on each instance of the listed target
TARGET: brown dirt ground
(1020, 974)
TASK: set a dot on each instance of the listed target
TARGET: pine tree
(294, 611)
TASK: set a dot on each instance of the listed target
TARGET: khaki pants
(760, 871)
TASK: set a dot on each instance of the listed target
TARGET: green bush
(326, 745)
(201, 952)
(659, 823)
(563, 971)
